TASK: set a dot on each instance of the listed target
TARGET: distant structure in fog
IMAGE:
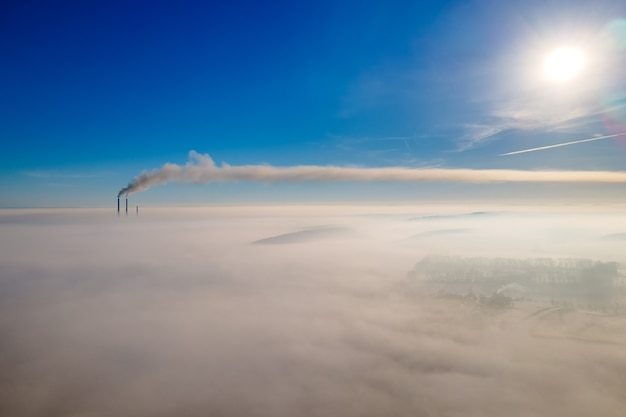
(118, 207)
(568, 279)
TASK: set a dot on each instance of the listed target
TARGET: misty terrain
(314, 311)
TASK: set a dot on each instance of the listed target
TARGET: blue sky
(93, 93)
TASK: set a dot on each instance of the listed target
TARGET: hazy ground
(296, 311)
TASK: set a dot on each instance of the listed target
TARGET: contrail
(558, 145)
(202, 169)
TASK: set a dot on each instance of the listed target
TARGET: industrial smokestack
(126, 205)
(118, 206)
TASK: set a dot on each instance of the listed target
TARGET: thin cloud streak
(202, 169)
(558, 145)
(61, 174)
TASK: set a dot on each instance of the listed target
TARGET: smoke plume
(202, 169)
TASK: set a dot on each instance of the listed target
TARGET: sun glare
(563, 64)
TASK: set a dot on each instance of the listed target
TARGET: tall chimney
(118, 206)
(126, 205)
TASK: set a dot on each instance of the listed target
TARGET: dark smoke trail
(202, 169)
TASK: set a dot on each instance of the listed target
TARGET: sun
(563, 64)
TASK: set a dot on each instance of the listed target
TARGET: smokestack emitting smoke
(202, 169)
(126, 205)
(118, 205)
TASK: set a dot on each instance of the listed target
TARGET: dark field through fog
(311, 311)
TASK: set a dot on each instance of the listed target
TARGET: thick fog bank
(302, 311)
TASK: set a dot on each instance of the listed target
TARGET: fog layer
(297, 311)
